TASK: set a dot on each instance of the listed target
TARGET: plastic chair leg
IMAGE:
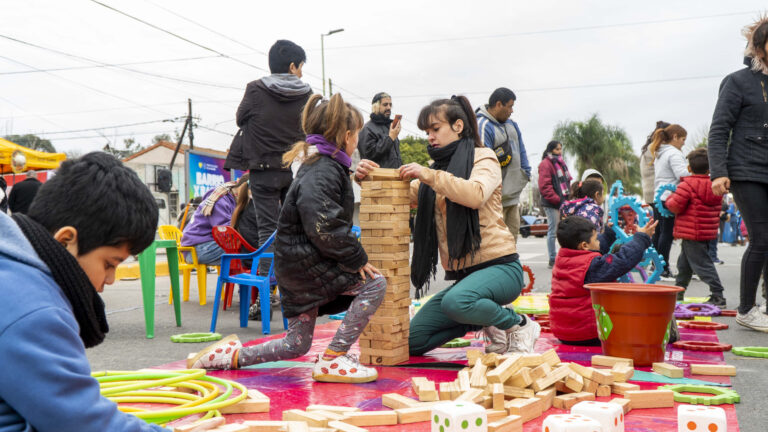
(228, 294)
(173, 269)
(216, 300)
(202, 278)
(187, 275)
(147, 271)
(265, 307)
(245, 293)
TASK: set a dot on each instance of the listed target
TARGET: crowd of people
(297, 148)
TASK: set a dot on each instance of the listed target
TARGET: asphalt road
(126, 347)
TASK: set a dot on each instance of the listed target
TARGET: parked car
(533, 225)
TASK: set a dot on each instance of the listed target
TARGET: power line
(105, 127)
(108, 109)
(537, 32)
(111, 135)
(116, 65)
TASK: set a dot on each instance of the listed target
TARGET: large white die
(610, 415)
(459, 417)
(570, 423)
(699, 418)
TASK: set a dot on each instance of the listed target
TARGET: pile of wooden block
(385, 235)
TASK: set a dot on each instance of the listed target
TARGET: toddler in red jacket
(698, 217)
(580, 261)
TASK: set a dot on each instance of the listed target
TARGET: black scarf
(70, 277)
(462, 223)
(380, 119)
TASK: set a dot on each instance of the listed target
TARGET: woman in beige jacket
(460, 218)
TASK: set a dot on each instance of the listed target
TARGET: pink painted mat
(289, 384)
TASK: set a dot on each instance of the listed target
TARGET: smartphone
(396, 121)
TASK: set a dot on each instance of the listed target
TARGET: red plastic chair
(232, 242)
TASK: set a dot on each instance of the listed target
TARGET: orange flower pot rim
(634, 288)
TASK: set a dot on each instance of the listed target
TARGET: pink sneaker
(218, 355)
(343, 369)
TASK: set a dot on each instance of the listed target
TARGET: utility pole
(187, 124)
(322, 51)
(330, 87)
(189, 119)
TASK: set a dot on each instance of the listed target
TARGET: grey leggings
(298, 339)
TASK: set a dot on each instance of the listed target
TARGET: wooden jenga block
(396, 401)
(567, 401)
(521, 378)
(498, 396)
(650, 398)
(574, 382)
(486, 401)
(547, 398)
(528, 409)
(371, 418)
(668, 370)
(622, 372)
(266, 425)
(511, 423)
(517, 392)
(603, 391)
(202, 425)
(551, 357)
(232, 427)
(623, 388)
(309, 418)
(495, 414)
(413, 415)
(592, 386)
(424, 388)
(330, 416)
(561, 388)
(473, 355)
(707, 369)
(540, 371)
(549, 380)
(471, 395)
(626, 405)
(608, 361)
(255, 402)
(491, 359)
(464, 380)
(477, 377)
(340, 426)
(505, 369)
(445, 391)
(531, 360)
(597, 375)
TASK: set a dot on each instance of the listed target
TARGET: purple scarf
(563, 176)
(329, 149)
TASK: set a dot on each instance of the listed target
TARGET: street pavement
(127, 348)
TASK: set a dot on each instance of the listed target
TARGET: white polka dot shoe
(217, 355)
(343, 369)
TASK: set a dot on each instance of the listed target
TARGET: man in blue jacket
(53, 263)
(500, 133)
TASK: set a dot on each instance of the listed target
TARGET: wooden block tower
(385, 235)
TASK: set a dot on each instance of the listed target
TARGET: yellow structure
(36, 160)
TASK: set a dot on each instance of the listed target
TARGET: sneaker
(762, 309)
(551, 264)
(218, 355)
(716, 300)
(718, 261)
(343, 369)
(523, 338)
(667, 276)
(496, 338)
(753, 319)
(681, 296)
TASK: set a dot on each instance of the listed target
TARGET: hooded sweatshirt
(505, 140)
(669, 167)
(270, 119)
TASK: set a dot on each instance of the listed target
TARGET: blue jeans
(553, 218)
(207, 253)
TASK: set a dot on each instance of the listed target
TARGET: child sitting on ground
(697, 211)
(580, 261)
(54, 262)
(320, 265)
(586, 200)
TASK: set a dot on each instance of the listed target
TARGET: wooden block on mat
(424, 388)
(623, 388)
(668, 370)
(266, 425)
(550, 357)
(608, 361)
(495, 414)
(203, 425)
(396, 401)
(574, 382)
(232, 427)
(497, 391)
(330, 416)
(511, 423)
(521, 378)
(651, 398)
(371, 418)
(517, 392)
(477, 377)
(549, 380)
(505, 369)
(603, 390)
(464, 382)
(413, 415)
(445, 391)
(255, 402)
(531, 360)
(309, 418)
(567, 401)
(547, 397)
(528, 409)
(707, 369)
(626, 405)
(540, 371)
(622, 372)
(592, 386)
(345, 427)
(473, 355)
(561, 388)
(471, 395)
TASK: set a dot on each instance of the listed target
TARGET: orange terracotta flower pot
(634, 320)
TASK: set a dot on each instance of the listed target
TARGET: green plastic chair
(147, 271)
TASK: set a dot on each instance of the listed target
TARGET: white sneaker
(343, 369)
(218, 355)
(762, 309)
(754, 320)
(496, 338)
(523, 338)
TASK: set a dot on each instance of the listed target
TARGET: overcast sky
(631, 63)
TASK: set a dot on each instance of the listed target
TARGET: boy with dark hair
(580, 261)
(53, 263)
(269, 118)
(697, 211)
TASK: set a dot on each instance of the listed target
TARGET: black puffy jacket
(316, 254)
(741, 114)
(375, 144)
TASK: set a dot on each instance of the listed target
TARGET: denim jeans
(207, 253)
(553, 218)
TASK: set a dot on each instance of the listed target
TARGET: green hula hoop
(753, 351)
(195, 337)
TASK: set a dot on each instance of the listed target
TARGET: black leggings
(662, 238)
(752, 199)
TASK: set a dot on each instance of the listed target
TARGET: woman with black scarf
(460, 215)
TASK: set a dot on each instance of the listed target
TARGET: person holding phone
(378, 140)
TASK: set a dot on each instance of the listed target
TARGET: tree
(414, 149)
(130, 146)
(602, 147)
(161, 137)
(33, 142)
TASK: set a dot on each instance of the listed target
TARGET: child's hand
(364, 168)
(410, 171)
(369, 270)
(649, 228)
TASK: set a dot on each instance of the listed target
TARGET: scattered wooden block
(471, 395)
(531, 360)
(625, 404)
(517, 392)
(345, 427)
(574, 382)
(330, 416)
(551, 357)
(414, 415)
(668, 370)
(547, 398)
(603, 391)
(497, 391)
(512, 423)
(623, 388)
(651, 398)
(395, 401)
(464, 382)
(336, 409)
(445, 391)
(592, 386)
(266, 425)
(521, 378)
(495, 415)
(540, 371)
(486, 401)
(566, 401)
(473, 355)
(233, 427)
(371, 418)
(549, 380)
(706, 369)
(622, 372)
(608, 361)
(255, 402)
(597, 375)
(297, 426)
(505, 369)
(424, 388)
(310, 418)
(477, 377)
(203, 425)
(528, 409)
(561, 388)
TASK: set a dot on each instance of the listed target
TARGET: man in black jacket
(378, 139)
(269, 117)
(23, 193)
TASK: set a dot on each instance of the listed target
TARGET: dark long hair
(455, 108)
(550, 146)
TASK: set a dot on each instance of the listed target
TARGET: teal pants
(468, 305)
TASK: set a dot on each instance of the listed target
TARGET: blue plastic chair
(245, 281)
(356, 231)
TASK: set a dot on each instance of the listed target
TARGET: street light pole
(322, 51)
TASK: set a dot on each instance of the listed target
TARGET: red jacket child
(696, 207)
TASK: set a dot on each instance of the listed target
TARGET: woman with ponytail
(669, 166)
(459, 218)
(320, 265)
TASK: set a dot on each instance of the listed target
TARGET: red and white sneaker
(218, 355)
(343, 369)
